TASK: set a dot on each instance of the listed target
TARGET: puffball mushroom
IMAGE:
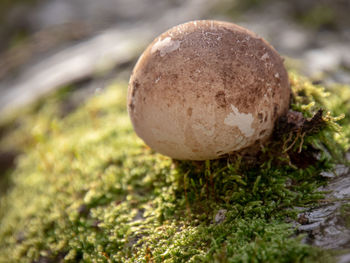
(204, 89)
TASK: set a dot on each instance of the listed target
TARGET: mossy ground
(87, 189)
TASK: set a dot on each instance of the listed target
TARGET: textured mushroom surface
(207, 88)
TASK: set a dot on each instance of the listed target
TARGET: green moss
(235, 9)
(87, 189)
(23, 128)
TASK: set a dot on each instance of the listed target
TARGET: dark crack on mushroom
(189, 111)
(220, 99)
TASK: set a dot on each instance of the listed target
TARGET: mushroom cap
(205, 88)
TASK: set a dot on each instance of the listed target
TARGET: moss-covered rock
(87, 189)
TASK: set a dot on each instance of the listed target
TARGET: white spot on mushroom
(242, 121)
(277, 76)
(157, 79)
(165, 46)
(265, 56)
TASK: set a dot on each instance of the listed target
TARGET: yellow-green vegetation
(318, 16)
(87, 189)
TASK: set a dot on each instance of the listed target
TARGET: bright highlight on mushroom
(204, 89)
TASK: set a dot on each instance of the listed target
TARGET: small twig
(185, 192)
(290, 162)
(207, 173)
(295, 140)
(301, 142)
(288, 139)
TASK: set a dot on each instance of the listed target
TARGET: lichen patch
(243, 121)
(165, 46)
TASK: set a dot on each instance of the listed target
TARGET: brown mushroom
(207, 88)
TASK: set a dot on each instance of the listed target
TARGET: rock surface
(327, 225)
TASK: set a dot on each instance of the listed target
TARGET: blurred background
(47, 44)
(81, 46)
